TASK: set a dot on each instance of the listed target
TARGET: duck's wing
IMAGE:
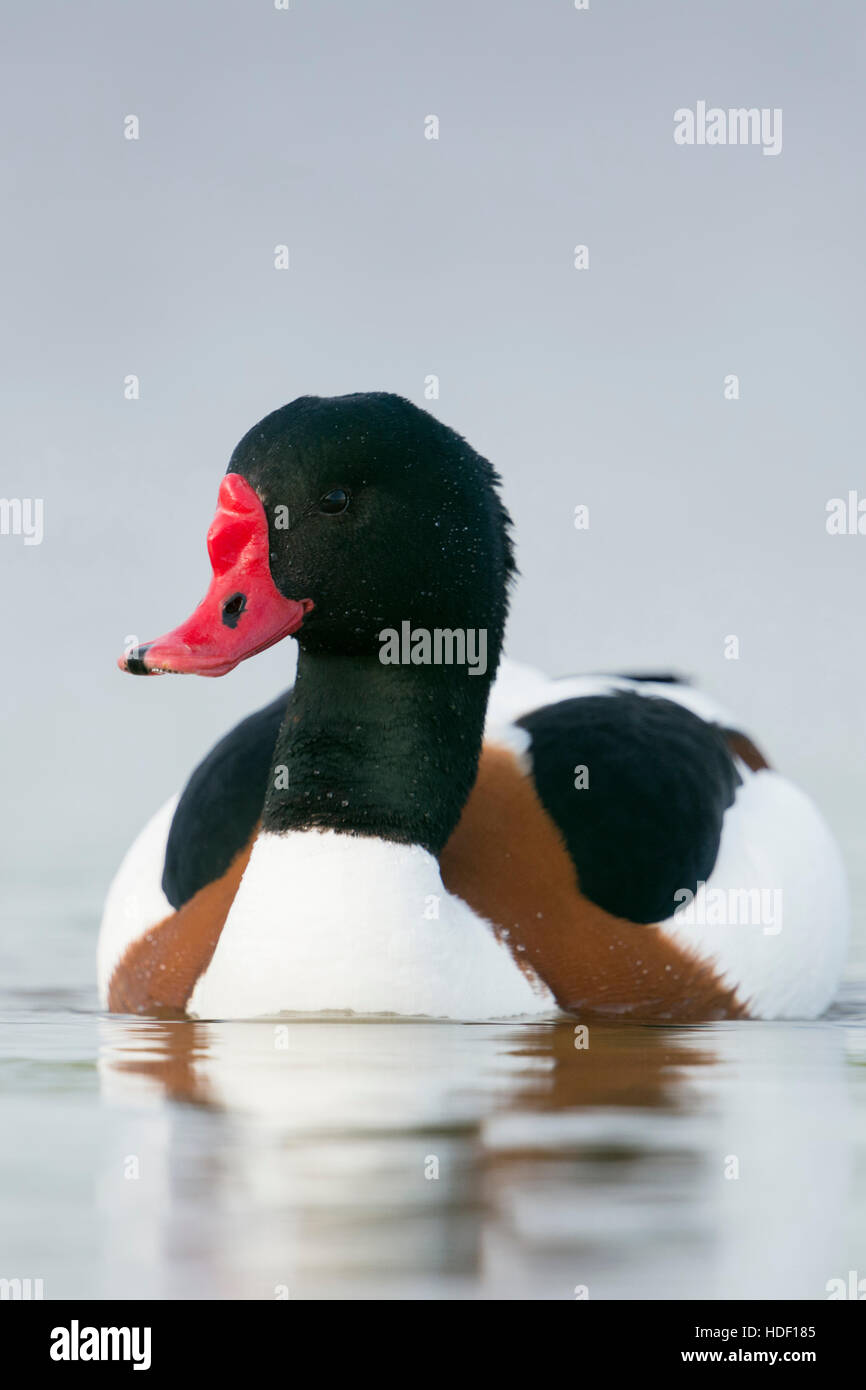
(638, 787)
(668, 814)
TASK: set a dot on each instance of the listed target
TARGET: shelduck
(413, 836)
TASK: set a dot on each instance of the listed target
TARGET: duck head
(340, 517)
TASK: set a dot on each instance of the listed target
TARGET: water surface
(341, 1159)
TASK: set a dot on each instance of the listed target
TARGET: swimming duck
(410, 836)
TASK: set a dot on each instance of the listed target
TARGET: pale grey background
(412, 257)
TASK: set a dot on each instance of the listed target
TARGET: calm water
(231, 1160)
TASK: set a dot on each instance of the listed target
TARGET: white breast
(324, 922)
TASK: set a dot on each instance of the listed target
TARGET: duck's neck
(381, 750)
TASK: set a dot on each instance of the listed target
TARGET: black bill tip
(133, 660)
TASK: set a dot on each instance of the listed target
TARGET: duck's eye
(334, 502)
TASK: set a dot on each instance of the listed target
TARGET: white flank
(324, 922)
(135, 901)
(787, 960)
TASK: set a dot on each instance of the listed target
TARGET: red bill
(243, 611)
